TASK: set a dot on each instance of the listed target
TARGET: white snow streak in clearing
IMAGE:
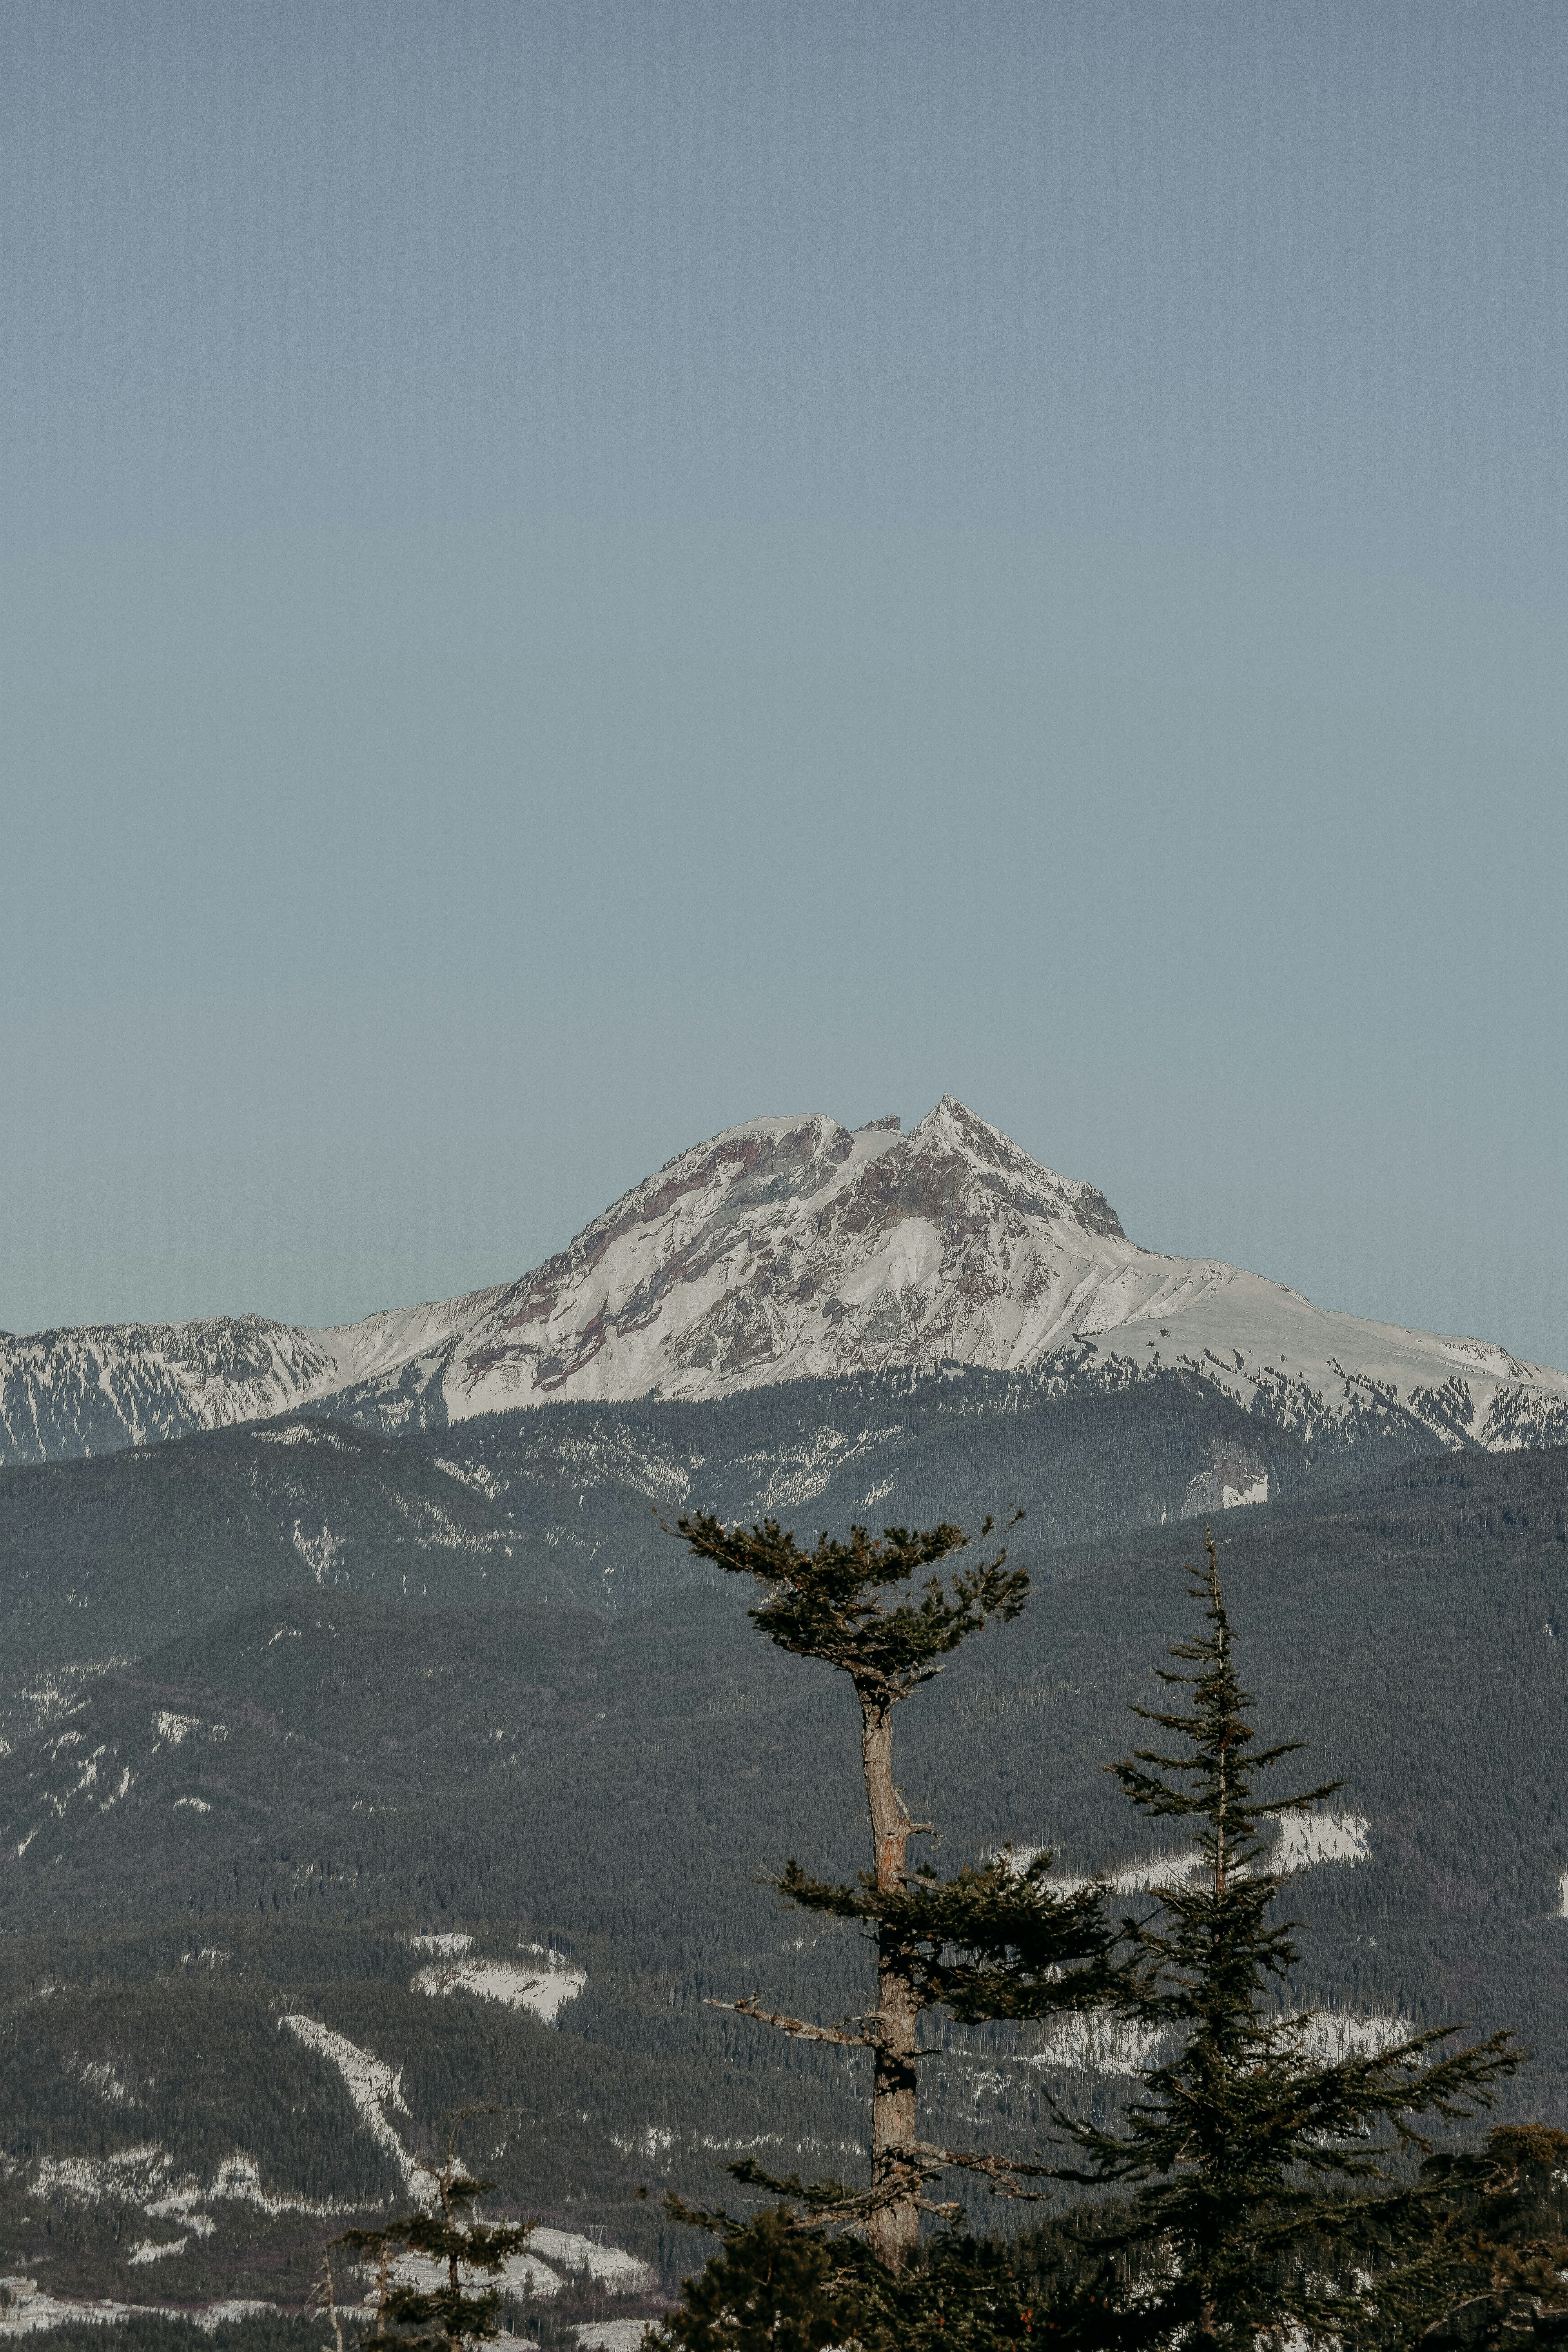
(100, 2075)
(31, 2314)
(134, 2174)
(548, 2254)
(142, 2176)
(1305, 1840)
(1127, 1878)
(542, 1982)
(1309, 1838)
(1333, 2036)
(613, 2269)
(316, 1551)
(475, 1474)
(1097, 2042)
(372, 2085)
(522, 2274)
(240, 2176)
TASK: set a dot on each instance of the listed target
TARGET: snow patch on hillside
(318, 1552)
(539, 2269)
(610, 2266)
(1231, 1497)
(802, 1468)
(372, 2086)
(239, 2177)
(1306, 1839)
(541, 1981)
(1128, 1877)
(1098, 2041)
(1095, 2042)
(522, 2274)
(29, 2312)
(1333, 2035)
(100, 2075)
(132, 2176)
(475, 1476)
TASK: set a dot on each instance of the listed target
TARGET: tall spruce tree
(1237, 2144)
(990, 1942)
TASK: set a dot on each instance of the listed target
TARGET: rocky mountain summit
(785, 1249)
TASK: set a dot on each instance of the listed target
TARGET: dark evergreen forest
(252, 1818)
(109, 1559)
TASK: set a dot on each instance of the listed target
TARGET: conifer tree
(1237, 2144)
(990, 1942)
(1493, 2269)
(447, 2231)
(775, 2287)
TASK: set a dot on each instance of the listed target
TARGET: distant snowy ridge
(788, 1249)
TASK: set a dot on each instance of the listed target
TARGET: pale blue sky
(574, 575)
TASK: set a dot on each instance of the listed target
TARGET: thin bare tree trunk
(894, 2228)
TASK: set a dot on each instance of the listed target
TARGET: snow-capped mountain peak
(789, 1248)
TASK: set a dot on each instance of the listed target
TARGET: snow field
(540, 2268)
(1304, 1841)
(30, 2313)
(610, 2266)
(523, 2274)
(540, 1982)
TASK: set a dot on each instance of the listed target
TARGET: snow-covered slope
(785, 1249)
(108, 1385)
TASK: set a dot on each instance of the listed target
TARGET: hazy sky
(572, 575)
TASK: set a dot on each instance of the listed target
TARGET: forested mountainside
(789, 1249)
(104, 1560)
(216, 1861)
